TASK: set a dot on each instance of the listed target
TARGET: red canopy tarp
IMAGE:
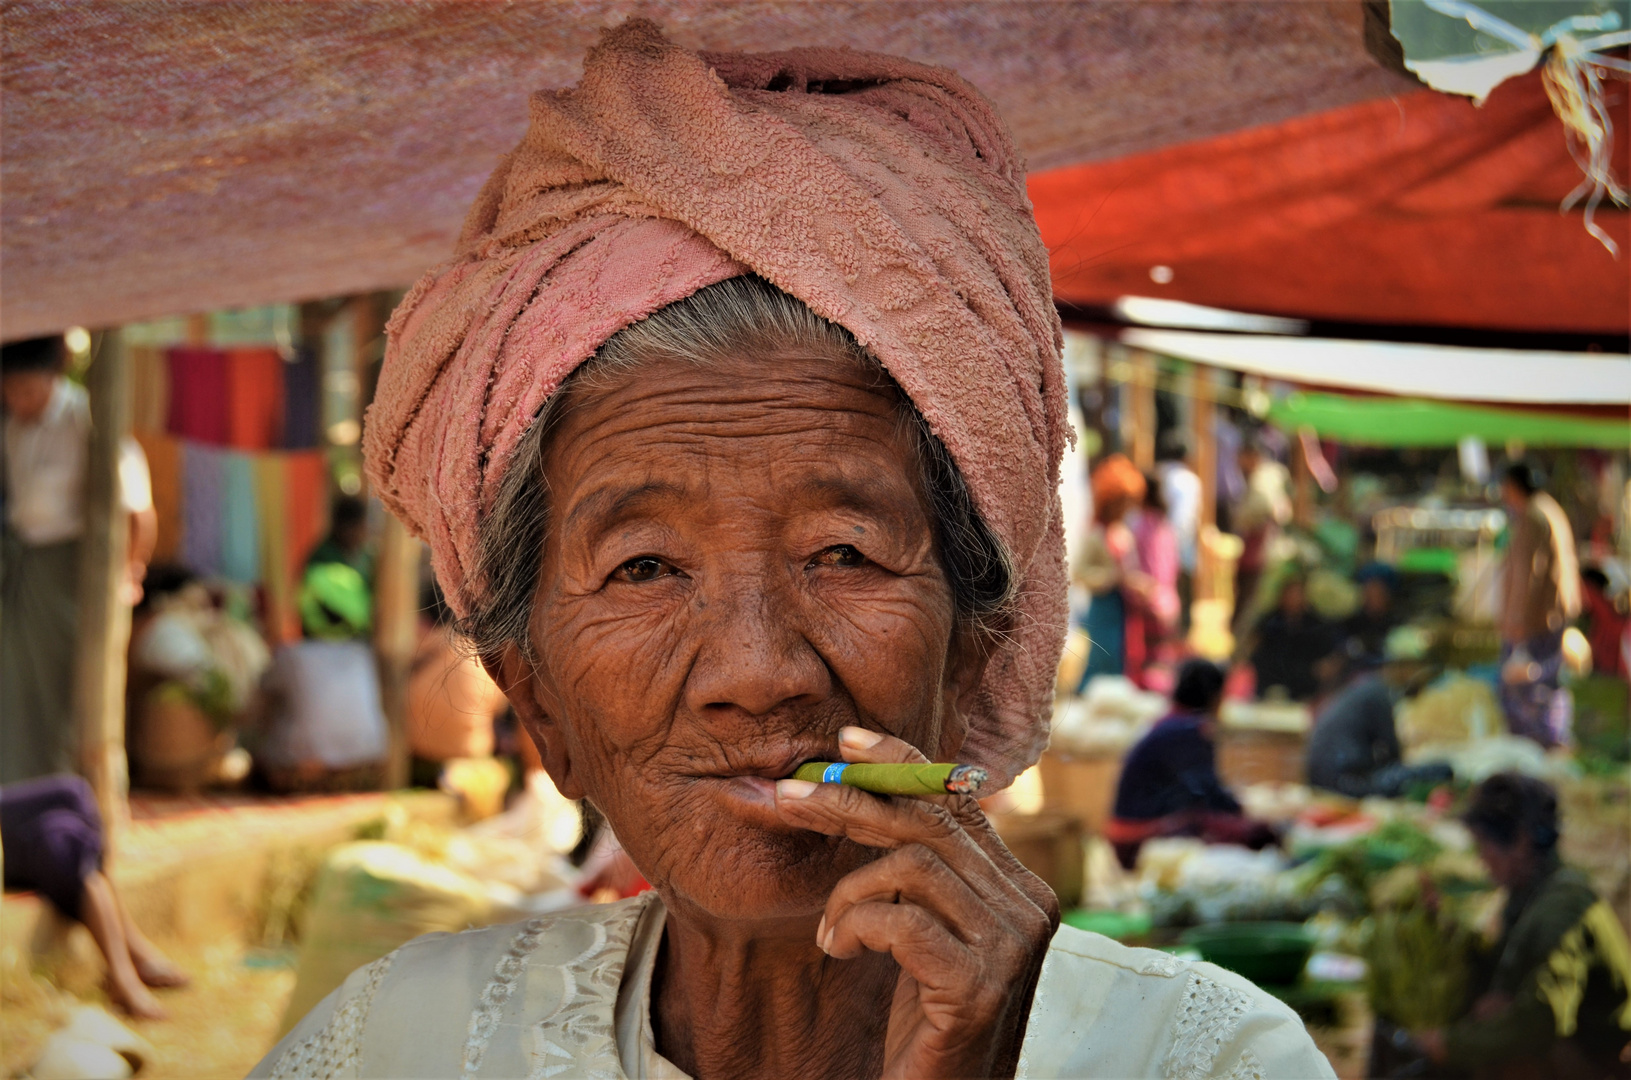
(1415, 210)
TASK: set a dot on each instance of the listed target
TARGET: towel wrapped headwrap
(884, 194)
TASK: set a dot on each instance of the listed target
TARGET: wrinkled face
(740, 562)
(27, 393)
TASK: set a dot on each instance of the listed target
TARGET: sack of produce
(371, 897)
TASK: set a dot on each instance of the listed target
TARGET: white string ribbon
(1573, 77)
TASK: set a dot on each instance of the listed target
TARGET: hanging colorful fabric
(203, 489)
(164, 464)
(302, 400)
(254, 398)
(198, 395)
(240, 520)
(308, 504)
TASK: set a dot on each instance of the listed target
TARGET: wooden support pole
(104, 618)
(1203, 458)
(1141, 389)
(1302, 488)
(368, 315)
(396, 630)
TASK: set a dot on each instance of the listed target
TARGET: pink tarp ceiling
(167, 157)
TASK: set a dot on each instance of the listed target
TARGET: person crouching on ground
(1169, 784)
(1354, 747)
(1554, 1004)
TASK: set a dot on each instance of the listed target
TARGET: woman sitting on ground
(1169, 783)
(1288, 644)
(704, 528)
(51, 833)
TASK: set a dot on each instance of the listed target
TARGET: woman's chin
(749, 864)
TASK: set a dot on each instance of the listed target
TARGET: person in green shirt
(347, 539)
(1555, 1003)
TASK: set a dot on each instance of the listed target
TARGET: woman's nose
(754, 655)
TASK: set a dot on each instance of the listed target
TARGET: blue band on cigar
(833, 774)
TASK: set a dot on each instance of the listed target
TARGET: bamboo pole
(396, 627)
(396, 572)
(103, 644)
(1302, 490)
(1203, 458)
(1141, 414)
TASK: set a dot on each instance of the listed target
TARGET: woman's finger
(864, 745)
(979, 828)
(889, 823)
(921, 944)
(914, 875)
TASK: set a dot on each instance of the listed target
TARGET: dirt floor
(219, 1027)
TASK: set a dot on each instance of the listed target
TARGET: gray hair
(738, 315)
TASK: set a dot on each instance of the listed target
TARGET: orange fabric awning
(1417, 210)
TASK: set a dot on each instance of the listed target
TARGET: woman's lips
(757, 789)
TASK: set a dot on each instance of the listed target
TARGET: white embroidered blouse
(569, 994)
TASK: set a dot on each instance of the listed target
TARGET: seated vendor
(318, 723)
(1555, 1003)
(452, 701)
(1363, 635)
(1288, 644)
(734, 427)
(1169, 783)
(1353, 748)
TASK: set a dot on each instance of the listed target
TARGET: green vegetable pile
(1418, 947)
(1418, 906)
(1358, 863)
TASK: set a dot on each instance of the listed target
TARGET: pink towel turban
(885, 194)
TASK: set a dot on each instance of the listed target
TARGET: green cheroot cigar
(897, 779)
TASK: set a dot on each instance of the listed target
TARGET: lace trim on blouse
(334, 1053)
(490, 1006)
(1207, 1019)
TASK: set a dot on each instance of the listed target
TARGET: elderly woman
(734, 429)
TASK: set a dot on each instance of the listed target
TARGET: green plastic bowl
(1112, 924)
(1270, 953)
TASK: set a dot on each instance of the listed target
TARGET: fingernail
(794, 789)
(857, 738)
(826, 942)
(821, 931)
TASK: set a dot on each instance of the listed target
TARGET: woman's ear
(515, 675)
(965, 671)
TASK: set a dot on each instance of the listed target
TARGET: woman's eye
(839, 555)
(642, 568)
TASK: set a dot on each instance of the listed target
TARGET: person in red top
(1605, 623)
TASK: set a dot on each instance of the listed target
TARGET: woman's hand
(968, 925)
(1431, 1042)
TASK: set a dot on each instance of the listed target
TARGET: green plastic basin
(1264, 952)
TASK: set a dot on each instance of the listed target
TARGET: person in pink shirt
(1155, 542)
